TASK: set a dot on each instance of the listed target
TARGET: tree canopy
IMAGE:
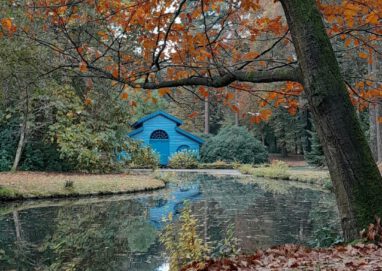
(159, 44)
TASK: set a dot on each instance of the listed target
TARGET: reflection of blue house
(172, 204)
(161, 131)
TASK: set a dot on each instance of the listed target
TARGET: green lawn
(44, 185)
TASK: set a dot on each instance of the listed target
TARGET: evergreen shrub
(316, 156)
(234, 144)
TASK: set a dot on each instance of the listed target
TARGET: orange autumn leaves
(350, 13)
(248, 98)
(189, 50)
(358, 23)
(7, 27)
(364, 93)
(157, 23)
(83, 67)
(262, 115)
(286, 96)
(266, 100)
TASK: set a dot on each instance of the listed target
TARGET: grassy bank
(23, 185)
(281, 171)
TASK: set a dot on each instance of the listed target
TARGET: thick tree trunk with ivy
(356, 179)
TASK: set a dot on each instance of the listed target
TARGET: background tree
(316, 155)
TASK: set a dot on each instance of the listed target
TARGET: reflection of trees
(141, 236)
(325, 227)
(262, 218)
(15, 250)
(99, 237)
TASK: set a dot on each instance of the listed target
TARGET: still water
(121, 232)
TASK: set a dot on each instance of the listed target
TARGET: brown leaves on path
(295, 257)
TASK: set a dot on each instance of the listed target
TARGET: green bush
(182, 241)
(8, 144)
(135, 155)
(43, 156)
(5, 160)
(234, 144)
(184, 159)
(37, 154)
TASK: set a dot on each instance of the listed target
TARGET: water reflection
(121, 232)
(172, 204)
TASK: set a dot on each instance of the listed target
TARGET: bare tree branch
(279, 75)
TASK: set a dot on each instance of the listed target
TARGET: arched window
(183, 148)
(159, 134)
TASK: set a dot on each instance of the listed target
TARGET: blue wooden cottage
(161, 131)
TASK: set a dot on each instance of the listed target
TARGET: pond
(121, 232)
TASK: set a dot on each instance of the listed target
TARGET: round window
(159, 134)
(183, 148)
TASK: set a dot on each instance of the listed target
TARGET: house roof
(155, 114)
(189, 135)
(139, 128)
(135, 132)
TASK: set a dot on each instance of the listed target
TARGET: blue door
(159, 142)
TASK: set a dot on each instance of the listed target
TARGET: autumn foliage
(142, 43)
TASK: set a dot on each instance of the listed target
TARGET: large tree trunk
(356, 179)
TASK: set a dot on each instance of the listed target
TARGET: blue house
(161, 131)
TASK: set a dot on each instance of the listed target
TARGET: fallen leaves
(374, 231)
(296, 257)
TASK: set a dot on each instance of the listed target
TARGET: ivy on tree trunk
(356, 179)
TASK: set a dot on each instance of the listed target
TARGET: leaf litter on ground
(296, 257)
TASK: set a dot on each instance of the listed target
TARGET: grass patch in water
(277, 170)
(218, 165)
(44, 185)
